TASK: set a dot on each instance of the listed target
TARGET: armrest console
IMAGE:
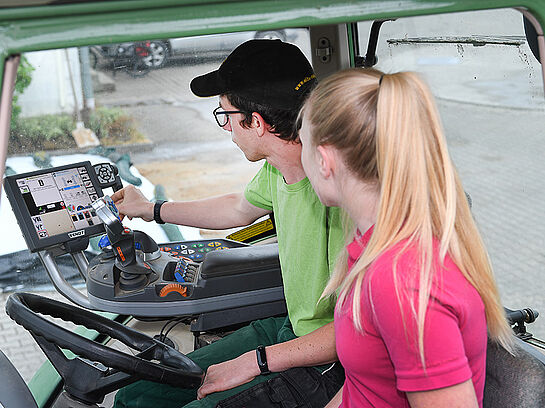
(240, 260)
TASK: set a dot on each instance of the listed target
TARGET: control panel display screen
(59, 201)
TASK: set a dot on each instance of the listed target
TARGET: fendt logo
(76, 234)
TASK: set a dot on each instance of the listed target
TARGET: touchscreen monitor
(53, 205)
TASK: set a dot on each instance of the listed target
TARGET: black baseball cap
(269, 72)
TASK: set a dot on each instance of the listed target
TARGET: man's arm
(315, 348)
(220, 212)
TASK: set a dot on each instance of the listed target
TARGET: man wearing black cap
(261, 87)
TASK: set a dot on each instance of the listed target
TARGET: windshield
(128, 104)
(489, 91)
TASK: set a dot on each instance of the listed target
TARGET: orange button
(173, 287)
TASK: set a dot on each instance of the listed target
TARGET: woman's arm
(315, 348)
(457, 396)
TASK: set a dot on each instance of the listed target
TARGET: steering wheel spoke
(99, 369)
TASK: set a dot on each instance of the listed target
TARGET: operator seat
(514, 381)
(14, 392)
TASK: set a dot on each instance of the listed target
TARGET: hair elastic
(380, 79)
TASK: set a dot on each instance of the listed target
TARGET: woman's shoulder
(403, 261)
(400, 266)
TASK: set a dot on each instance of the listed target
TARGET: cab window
(128, 104)
(489, 90)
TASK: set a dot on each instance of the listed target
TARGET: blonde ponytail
(391, 133)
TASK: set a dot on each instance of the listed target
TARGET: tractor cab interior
(100, 99)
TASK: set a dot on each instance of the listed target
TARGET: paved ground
(17, 343)
(502, 165)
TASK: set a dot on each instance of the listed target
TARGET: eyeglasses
(222, 117)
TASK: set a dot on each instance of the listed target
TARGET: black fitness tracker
(157, 211)
(262, 360)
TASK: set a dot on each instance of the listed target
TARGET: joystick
(136, 276)
(133, 250)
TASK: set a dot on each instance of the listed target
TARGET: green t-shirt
(309, 239)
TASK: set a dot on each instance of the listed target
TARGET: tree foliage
(24, 77)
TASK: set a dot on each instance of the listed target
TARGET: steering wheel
(83, 377)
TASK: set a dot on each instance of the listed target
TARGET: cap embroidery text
(304, 81)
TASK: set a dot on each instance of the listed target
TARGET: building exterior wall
(50, 91)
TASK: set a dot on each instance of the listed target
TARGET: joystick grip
(109, 215)
(144, 242)
(123, 248)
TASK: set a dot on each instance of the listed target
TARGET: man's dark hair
(282, 121)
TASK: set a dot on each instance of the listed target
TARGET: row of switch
(185, 272)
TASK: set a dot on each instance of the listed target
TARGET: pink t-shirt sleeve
(445, 356)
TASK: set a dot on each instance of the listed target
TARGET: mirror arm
(370, 58)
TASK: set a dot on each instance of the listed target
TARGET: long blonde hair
(388, 130)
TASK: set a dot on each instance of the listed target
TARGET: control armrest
(240, 260)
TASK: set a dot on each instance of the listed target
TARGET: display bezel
(23, 215)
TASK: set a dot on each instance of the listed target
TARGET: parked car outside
(215, 45)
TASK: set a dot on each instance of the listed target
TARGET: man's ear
(326, 160)
(259, 124)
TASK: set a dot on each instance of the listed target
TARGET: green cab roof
(42, 24)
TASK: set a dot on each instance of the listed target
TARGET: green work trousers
(146, 394)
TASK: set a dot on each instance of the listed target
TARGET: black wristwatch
(157, 211)
(262, 360)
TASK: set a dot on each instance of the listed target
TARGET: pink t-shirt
(384, 362)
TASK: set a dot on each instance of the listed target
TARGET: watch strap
(262, 360)
(157, 211)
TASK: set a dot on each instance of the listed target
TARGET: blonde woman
(416, 293)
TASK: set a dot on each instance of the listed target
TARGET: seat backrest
(514, 381)
(14, 392)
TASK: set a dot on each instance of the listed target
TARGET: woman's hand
(229, 374)
(132, 203)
